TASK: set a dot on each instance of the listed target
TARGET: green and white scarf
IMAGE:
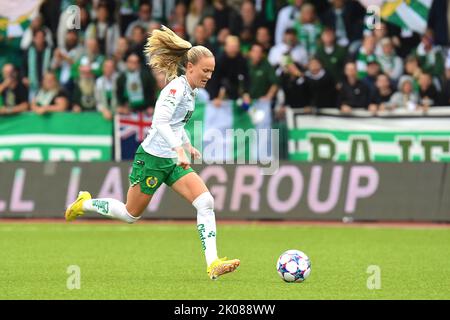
(44, 97)
(32, 66)
(134, 89)
(308, 35)
(106, 93)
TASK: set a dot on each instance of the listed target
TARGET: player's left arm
(189, 147)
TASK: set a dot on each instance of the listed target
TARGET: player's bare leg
(130, 212)
(194, 190)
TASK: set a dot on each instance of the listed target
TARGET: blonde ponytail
(166, 52)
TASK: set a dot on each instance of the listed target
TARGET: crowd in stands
(298, 53)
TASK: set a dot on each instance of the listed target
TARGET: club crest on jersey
(151, 181)
(172, 91)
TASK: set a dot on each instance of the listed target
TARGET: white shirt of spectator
(298, 54)
(173, 109)
(286, 19)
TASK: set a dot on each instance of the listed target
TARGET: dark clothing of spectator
(353, 20)
(238, 25)
(370, 82)
(322, 89)
(230, 74)
(379, 98)
(225, 18)
(431, 93)
(296, 93)
(15, 96)
(355, 96)
(437, 20)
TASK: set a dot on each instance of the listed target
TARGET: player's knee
(204, 202)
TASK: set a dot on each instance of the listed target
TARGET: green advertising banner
(56, 137)
(328, 138)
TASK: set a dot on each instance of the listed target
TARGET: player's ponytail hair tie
(169, 53)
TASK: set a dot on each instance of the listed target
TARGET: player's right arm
(165, 107)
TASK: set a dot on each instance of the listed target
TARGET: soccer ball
(294, 266)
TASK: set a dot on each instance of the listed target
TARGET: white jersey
(173, 109)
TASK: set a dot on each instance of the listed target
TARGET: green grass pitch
(165, 261)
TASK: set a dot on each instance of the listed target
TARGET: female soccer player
(161, 157)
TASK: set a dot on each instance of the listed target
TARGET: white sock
(109, 207)
(206, 225)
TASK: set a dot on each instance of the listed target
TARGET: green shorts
(151, 171)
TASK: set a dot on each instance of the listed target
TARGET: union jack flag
(130, 132)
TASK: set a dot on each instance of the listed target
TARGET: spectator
(413, 69)
(105, 32)
(286, 19)
(177, 20)
(380, 97)
(210, 28)
(308, 29)
(230, 80)
(36, 24)
(137, 42)
(263, 82)
(92, 57)
(162, 9)
(13, 94)
(353, 92)
(200, 37)
(381, 32)
(247, 39)
(135, 88)
(430, 56)
(391, 64)
(373, 70)
(288, 51)
(365, 55)
(50, 97)
(428, 94)
(248, 19)
(36, 62)
(264, 38)
(105, 90)
(331, 55)
(294, 88)
(119, 56)
(346, 17)
(144, 18)
(224, 15)
(320, 85)
(197, 10)
(405, 98)
(84, 92)
(64, 58)
(127, 14)
(221, 39)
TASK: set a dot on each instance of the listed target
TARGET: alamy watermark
(74, 279)
(372, 19)
(255, 146)
(374, 280)
(73, 17)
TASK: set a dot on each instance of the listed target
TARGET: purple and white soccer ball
(294, 266)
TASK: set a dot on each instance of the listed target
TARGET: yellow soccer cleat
(76, 208)
(222, 266)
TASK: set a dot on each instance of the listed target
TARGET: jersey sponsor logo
(173, 91)
(151, 182)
